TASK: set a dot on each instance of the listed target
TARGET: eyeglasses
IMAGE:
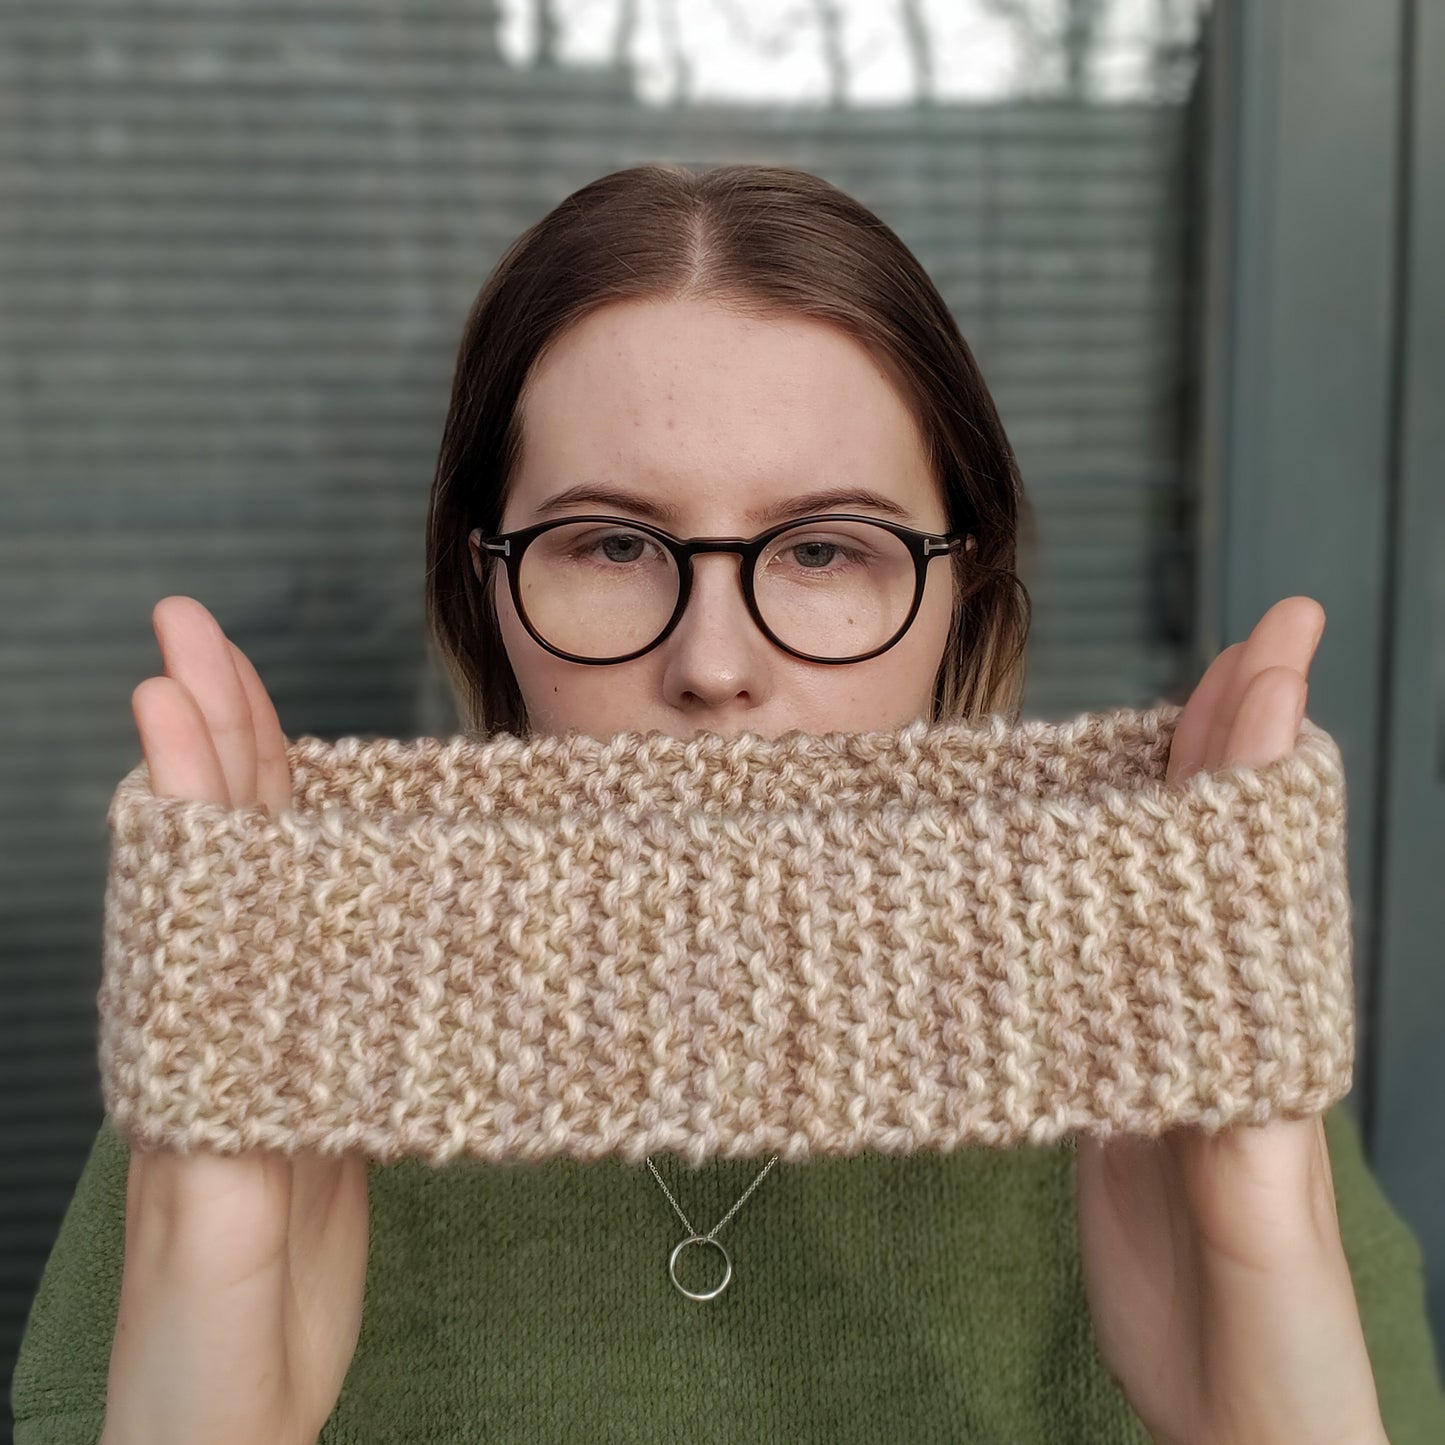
(833, 588)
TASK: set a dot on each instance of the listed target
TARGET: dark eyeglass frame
(923, 546)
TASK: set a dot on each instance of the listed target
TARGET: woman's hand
(240, 1300)
(1220, 1295)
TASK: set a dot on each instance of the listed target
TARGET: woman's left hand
(1221, 1299)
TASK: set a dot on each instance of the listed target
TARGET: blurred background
(1188, 243)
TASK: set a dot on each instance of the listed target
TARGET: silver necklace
(693, 1237)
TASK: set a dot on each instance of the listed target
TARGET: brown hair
(761, 239)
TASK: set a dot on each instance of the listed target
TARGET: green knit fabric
(920, 1298)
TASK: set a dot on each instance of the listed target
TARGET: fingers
(1255, 719)
(1222, 709)
(1194, 734)
(1286, 636)
(1266, 726)
(197, 655)
(177, 743)
(273, 770)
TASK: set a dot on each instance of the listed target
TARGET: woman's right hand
(240, 1299)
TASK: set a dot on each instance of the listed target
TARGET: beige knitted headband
(516, 948)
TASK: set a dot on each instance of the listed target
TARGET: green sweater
(920, 1298)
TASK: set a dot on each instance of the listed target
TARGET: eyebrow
(824, 500)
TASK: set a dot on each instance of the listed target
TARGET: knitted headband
(518, 947)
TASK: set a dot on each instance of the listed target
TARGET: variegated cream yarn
(984, 931)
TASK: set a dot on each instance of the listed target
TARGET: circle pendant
(672, 1267)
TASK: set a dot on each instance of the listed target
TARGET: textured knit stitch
(518, 948)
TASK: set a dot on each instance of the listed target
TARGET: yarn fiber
(515, 948)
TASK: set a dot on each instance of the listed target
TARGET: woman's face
(696, 408)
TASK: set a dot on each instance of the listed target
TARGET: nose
(724, 589)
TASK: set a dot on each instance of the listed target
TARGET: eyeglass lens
(831, 589)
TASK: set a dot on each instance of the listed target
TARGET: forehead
(692, 393)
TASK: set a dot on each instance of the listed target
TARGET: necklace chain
(710, 1237)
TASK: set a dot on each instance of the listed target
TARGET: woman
(749, 356)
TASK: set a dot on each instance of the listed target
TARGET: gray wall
(1321, 455)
